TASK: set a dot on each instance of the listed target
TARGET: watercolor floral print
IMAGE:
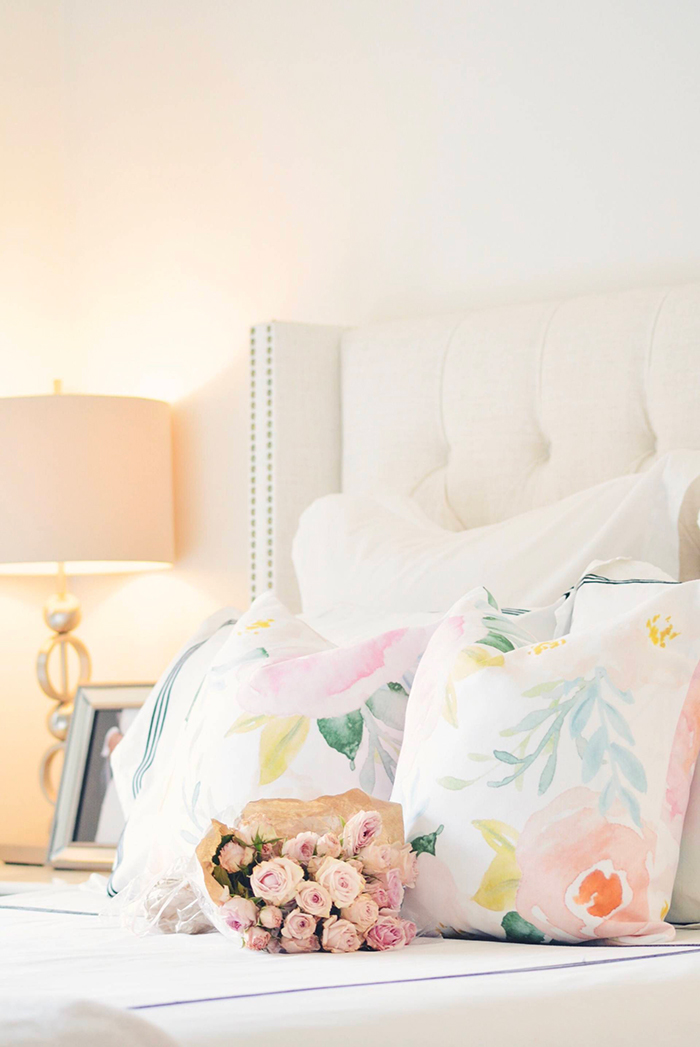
(559, 774)
(284, 712)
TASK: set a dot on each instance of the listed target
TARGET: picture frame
(88, 819)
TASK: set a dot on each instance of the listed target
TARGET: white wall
(179, 169)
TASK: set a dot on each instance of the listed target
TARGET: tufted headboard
(478, 416)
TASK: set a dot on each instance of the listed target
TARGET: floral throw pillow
(281, 712)
(545, 782)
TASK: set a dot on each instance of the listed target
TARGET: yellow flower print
(546, 645)
(657, 635)
(470, 660)
(255, 627)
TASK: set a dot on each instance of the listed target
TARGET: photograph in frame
(88, 820)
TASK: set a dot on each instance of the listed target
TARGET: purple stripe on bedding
(32, 908)
(410, 981)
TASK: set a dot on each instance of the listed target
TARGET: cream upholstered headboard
(479, 416)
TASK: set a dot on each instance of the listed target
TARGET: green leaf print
(448, 782)
(343, 733)
(389, 706)
(426, 844)
(519, 930)
(497, 640)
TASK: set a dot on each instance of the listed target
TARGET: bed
(572, 393)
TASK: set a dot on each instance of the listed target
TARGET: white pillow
(384, 553)
(138, 761)
(282, 712)
(545, 786)
(608, 590)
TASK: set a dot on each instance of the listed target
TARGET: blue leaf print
(632, 806)
(529, 722)
(618, 722)
(548, 773)
(594, 754)
(506, 757)
(607, 796)
(582, 714)
(630, 767)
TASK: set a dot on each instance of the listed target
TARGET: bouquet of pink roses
(334, 892)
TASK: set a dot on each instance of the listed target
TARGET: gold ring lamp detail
(85, 488)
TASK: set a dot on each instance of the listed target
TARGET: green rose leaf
(343, 733)
(519, 930)
(221, 876)
(426, 844)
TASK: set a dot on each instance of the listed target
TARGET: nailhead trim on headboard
(261, 461)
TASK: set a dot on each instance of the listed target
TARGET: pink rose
(314, 865)
(328, 844)
(363, 912)
(313, 898)
(410, 930)
(233, 857)
(270, 916)
(376, 889)
(391, 882)
(311, 944)
(376, 858)
(388, 933)
(406, 861)
(355, 863)
(340, 936)
(298, 925)
(248, 832)
(257, 939)
(239, 913)
(584, 875)
(276, 881)
(342, 882)
(360, 830)
(301, 847)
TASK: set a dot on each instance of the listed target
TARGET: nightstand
(21, 879)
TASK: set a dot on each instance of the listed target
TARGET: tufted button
(546, 450)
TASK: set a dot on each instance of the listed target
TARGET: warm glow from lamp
(71, 567)
(85, 488)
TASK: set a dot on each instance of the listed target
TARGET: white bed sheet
(202, 991)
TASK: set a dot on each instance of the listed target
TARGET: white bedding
(203, 991)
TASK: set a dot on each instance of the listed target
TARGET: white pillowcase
(385, 554)
(139, 761)
(281, 712)
(545, 782)
(605, 592)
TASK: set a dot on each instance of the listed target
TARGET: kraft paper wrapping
(289, 817)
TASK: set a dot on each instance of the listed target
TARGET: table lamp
(85, 488)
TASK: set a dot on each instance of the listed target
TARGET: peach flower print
(585, 876)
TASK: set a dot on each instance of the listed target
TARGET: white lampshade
(86, 481)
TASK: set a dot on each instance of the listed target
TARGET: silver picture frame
(86, 790)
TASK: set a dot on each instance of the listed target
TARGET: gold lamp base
(62, 614)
